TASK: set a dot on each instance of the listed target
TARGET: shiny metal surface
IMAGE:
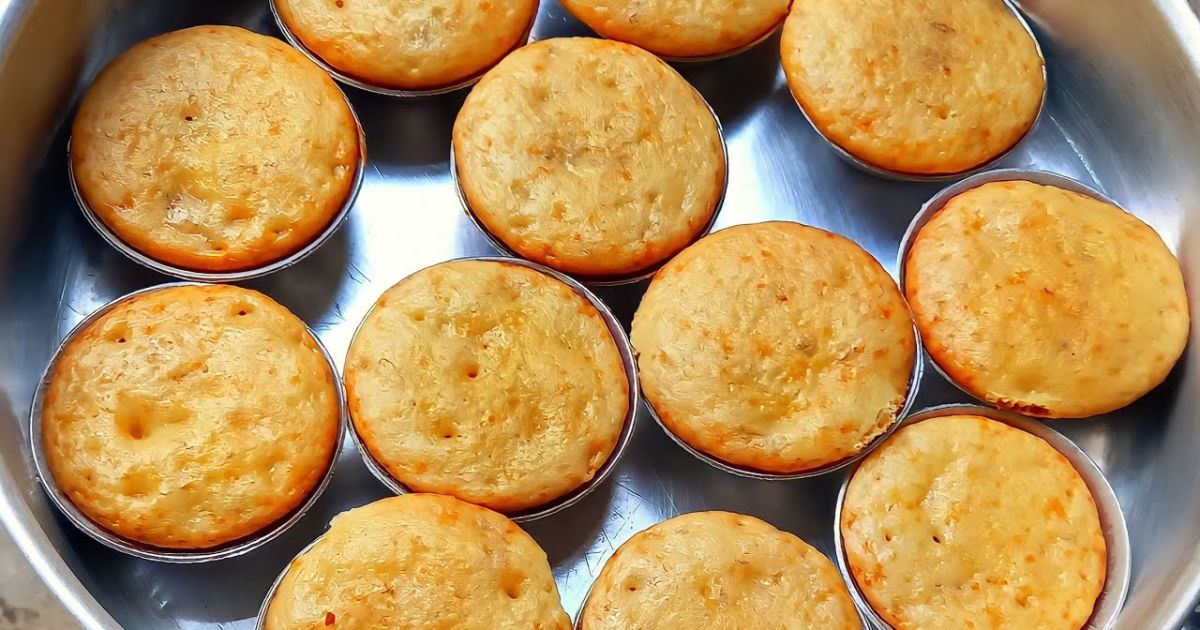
(631, 381)
(1120, 115)
(136, 549)
(1112, 520)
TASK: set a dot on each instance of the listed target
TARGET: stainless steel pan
(1121, 115)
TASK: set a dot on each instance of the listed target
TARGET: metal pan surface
(1119, 115)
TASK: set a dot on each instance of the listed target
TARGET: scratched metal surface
(1120, 116)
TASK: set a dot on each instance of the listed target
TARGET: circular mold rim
(699, 59)
(149, 552)
(901, 176)
(199, 276)
(939, 200)
(1112, 519)
(914, 383)
(628, 364)
(260, 621)
(346, 79)
(617, 280)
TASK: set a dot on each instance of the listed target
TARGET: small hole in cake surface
(473, 372)
(937, 540)
(340, 3)
(121, 340)
(242, 313)
(189, 118)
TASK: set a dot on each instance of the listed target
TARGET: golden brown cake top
(409, 44)
(681, 28)
(775, 346)
(191, 416)
(487, 381)
(590, 156)
(965, 522)
(923, 87)
(214, 149)
(1046, 301)
(419, 562)
(718, 570)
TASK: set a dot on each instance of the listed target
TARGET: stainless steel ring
(878, 171)
(1112, 520)
(351, 81)
(914, 383)
(939, 200)
(702, 58)
(260, 622)
(605, 281)
(193, 275)
(627, 362)
(148, 552)
(727, 54)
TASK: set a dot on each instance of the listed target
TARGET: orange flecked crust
(409, 44)
(190, 417)
(214, 149)
(487, 381)
(419, 562)
(682, 28)
(1045, 301)
(718, 570)
(921, 87)
(965, 522)
(590, 156)
(775, 346)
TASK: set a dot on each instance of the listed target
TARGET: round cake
(965, 522)
(775, 347)
(414, 45)
(190, 417)
(214, 149)
(921, 87)
(419, 562)
(1046, 301)
(590, 156)
(487, 381)
(718, 570)
(680, 29)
